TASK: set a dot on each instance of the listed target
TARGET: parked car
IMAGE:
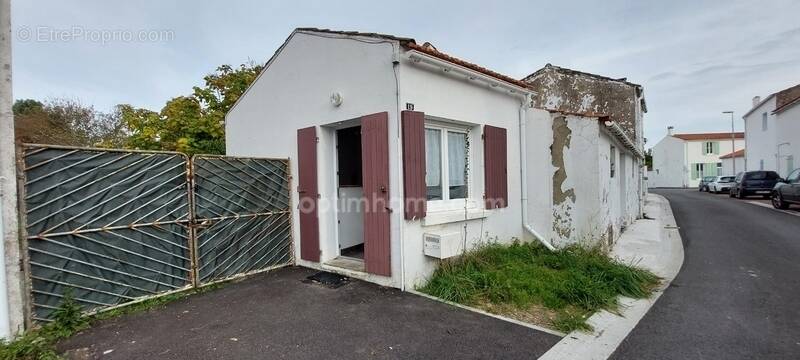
(721, 184)
(758, 182)
(704, 183)
(787, 192)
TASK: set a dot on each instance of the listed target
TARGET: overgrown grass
(573, 282)
(39, 343)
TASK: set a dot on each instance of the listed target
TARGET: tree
(194, 123)
(648, 159)
(65, 122)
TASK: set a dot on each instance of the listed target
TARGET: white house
(731, 161)
(682, 160)
(403, 155)
(772, 132)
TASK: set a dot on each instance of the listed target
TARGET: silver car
(721, 184)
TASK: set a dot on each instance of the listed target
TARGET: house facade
(772, 132)
(682, 160)
(402, 155)
(733, 163)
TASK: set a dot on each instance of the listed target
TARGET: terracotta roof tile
(786, 97)
(708, 136)
(737, 153)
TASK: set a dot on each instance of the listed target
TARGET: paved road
(278, 316)
(738, 293)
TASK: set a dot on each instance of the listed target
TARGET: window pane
(457, 164)
(433, 163)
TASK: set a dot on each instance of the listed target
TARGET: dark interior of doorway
(348, 152)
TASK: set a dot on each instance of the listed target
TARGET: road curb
(652, 244)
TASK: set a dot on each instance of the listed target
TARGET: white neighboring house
(682, 160)
(731, 161)
(473, 150)
(772, 132)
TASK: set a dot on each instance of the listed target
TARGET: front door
(375, 172)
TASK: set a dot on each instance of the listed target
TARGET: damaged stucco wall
(588, 205)
(572, 91)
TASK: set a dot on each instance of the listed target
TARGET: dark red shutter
(375, 166)
(308, 193)
(414, 191)
(495, 159)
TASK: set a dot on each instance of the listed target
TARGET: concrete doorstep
(652, 244)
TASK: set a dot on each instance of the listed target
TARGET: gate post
(192, 225)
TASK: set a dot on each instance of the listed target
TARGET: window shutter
(694, 171)
(716, 147)
(414, 191)
(703, 148)
(495, 161)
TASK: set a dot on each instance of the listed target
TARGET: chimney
(756, 100)
(670, 130)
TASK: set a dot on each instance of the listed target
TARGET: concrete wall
(760, 143)
(788, 125)
(669, 164)
(293, 92)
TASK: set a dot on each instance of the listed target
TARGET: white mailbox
(443, 246)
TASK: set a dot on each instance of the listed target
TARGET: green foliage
(194, 123)
(574, 281)
(26, 106)
(38, 344)
(66, 122)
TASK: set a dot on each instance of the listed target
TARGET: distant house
(403, 155)
(681, 160)
(733, 163)
(772, 132)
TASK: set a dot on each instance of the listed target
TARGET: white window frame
(447, 204)
(764, 122)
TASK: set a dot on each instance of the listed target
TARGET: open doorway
(350, 207)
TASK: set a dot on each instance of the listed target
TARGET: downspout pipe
(523, 170)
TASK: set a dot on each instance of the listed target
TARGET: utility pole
(11, 319)
(733, 141)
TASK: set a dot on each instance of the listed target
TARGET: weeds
(573, 282)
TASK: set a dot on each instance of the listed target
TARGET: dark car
(704, 183)
(787, 192)
(754, 183)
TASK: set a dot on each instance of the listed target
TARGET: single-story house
(403, 155)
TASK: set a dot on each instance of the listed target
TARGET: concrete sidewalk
(652, 244)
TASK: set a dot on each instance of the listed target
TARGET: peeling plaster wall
(576, 202)
(569, 91)
(539, 139)
(589, 206)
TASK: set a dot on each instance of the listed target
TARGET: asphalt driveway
(738, 293)
(277, 316)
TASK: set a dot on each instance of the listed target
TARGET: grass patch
(570, 284)
(39, 343)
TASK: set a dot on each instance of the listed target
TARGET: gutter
(620, 134)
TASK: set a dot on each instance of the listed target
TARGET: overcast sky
(695, 59)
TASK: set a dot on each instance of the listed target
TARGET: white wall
(467, 103)
(788, 125)
(760, 143)
(293, 92)
(669, 164)
(727, 165)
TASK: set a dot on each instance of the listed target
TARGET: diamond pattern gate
(243, 215)
(112, 226)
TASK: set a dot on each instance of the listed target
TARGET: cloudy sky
(694, 58)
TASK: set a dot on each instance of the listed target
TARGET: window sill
(452, 216)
